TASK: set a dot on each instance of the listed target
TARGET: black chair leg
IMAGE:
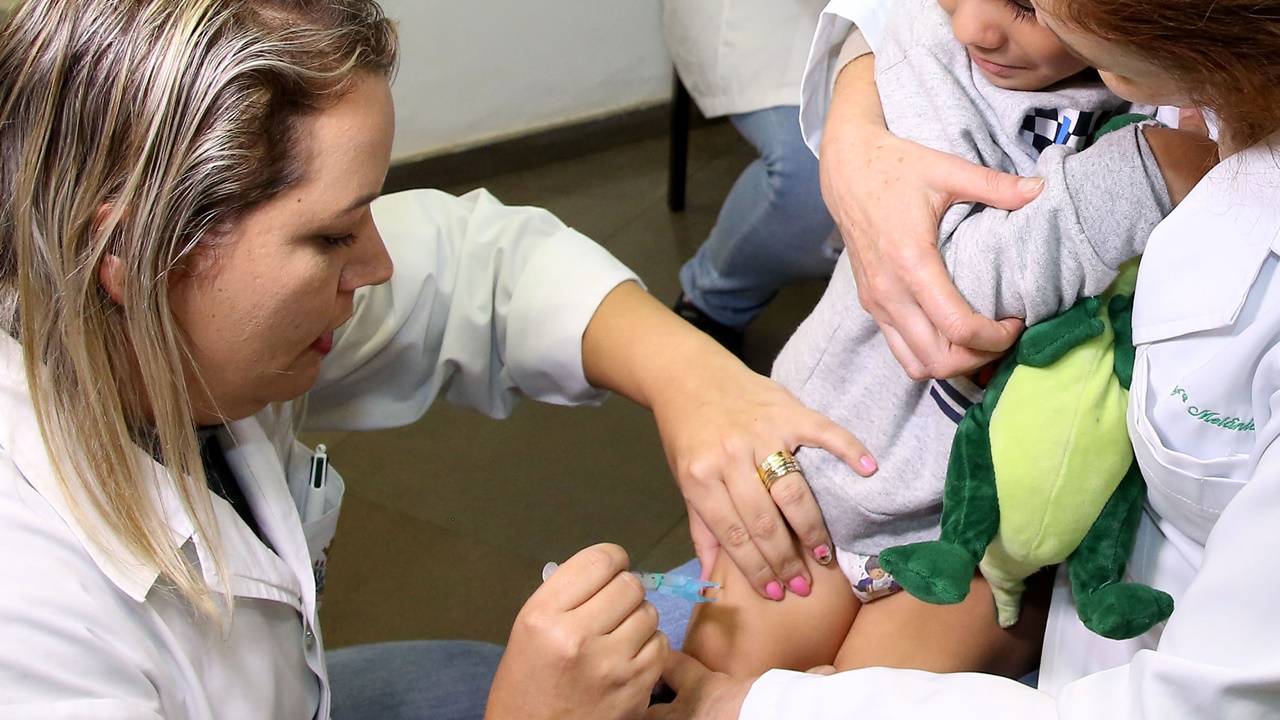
(678, 164)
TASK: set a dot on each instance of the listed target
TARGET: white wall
(476, 70)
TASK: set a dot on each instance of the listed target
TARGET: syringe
(680, 586)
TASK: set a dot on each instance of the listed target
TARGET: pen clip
(319, 467)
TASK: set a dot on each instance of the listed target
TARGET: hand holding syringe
(680, 586)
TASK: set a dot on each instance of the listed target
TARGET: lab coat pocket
(320, 531)
(1189, 491)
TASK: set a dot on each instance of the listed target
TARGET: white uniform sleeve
(837, 20)
(899, 694)
(66, 649)
(1218, 656)
(487, 303)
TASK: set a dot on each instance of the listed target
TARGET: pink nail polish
(868, 464)
(799, 586)
(822, 554)
(774, 590)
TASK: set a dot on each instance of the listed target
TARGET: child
(980, 79)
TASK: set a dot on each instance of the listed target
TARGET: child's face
(1008, 46)
(1128, 75)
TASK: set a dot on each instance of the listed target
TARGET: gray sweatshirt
(1096, 211)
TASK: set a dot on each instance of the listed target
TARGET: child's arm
(1097, 210)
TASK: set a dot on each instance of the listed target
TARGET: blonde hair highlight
(140, 129)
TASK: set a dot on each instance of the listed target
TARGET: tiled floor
(427, 553)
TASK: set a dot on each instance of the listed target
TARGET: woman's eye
(339, 240)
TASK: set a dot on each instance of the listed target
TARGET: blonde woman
(191, 243)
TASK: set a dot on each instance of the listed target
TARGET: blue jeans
(420, 680)
(773, 228)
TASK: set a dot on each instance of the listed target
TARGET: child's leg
(903, 631)
(743, 634)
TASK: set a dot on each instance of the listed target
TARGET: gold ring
(775, 466)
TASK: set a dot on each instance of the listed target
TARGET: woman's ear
(111, 278)
(110, 270)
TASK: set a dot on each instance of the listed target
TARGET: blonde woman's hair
(141, 129)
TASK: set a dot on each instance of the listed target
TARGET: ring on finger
(777, 465)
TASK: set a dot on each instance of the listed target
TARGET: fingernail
(868, 464)
(1030, 185)
(799, 586)
(822, 554)
(774, 590)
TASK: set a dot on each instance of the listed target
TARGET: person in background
(745, 59)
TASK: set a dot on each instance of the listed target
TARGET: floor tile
(393, 577)
(548, 480)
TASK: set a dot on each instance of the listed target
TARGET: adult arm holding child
(889, 194)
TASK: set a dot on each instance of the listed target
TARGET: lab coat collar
(20, 436)
(1201, 262)
(254, 570)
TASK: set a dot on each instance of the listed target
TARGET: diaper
(868, 580)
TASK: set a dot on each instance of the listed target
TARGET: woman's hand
(718, 421)
(887, 196)
(717, 424)
(585, 646)
(700, 693)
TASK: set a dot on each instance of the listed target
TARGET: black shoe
(730, 338)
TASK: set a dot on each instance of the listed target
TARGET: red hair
(1224, 53)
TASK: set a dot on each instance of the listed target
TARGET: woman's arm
(487, 304)
(490, 303)
(718, 420)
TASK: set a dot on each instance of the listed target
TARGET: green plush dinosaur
(1042, 472)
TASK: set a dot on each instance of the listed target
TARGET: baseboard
(537, 148)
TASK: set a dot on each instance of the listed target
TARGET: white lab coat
(487, 303)
(1206, 316)
(738, 56)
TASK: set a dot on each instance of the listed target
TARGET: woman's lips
(1003, 71)
(324, 343)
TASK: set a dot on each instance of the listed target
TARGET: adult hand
(718, 421)
(586, 645)
(887, 196)
(700, 693)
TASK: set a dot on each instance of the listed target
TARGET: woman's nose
(370, 264)
(980, 23)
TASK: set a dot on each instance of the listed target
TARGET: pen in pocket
(313, 507)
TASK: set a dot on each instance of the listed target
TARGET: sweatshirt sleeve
(1097, 210)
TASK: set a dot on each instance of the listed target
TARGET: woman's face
(1125, 73)
(260, 304)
